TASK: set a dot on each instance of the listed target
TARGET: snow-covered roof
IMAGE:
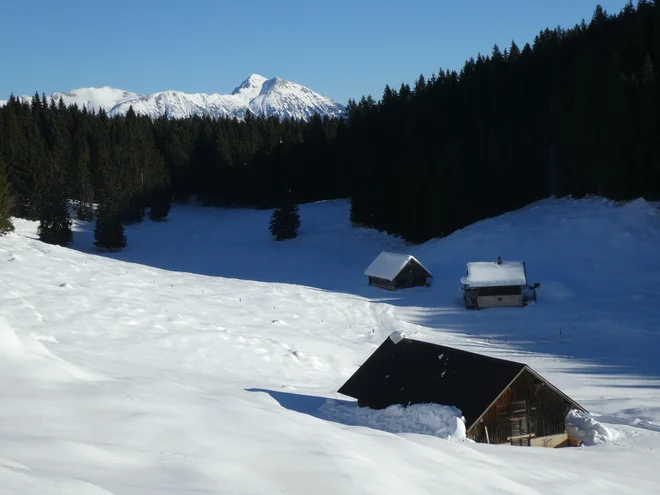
(388, 265)
(491, 274)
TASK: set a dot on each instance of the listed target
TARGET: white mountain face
(94, 98)
(262, 96)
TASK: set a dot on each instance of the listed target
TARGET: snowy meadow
(205, 358)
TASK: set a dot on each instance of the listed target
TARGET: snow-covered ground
(205, 358)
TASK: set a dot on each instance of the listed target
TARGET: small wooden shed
(503, 402)
(496, 284)
(396, 271)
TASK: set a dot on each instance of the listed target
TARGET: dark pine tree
(647, 137)
(161, 204)
(5, 202)
(82, 178)
(54, 215)
(285, 222)
(55, 221)
(109, 231)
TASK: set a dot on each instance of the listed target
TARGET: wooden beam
(551, 441)
(574, 442)
(520, 437)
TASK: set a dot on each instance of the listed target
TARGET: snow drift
(10, 344)
(586, 429)
(427, 419)
(192, 315)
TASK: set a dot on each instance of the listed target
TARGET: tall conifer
(109, 231)
(6, 224)
(54, 215)
(285, 222)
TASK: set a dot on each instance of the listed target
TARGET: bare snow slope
(105, 98)
(201, 358)
(262, 96)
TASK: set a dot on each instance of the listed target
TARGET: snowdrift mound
(427, 419)
(30, 350)
(586, 429)
(10, 344)
(21, 346)
(190, 324)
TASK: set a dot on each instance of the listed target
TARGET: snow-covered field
(205, 358)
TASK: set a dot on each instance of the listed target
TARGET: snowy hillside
(105, 98)
(205, 358)
(261, 96)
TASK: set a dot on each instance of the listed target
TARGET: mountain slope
(201, 358)
(261, 96)
(94, 98)
(291, 100)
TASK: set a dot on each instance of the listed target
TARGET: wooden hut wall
(411, 275)
(528, 406)
(498, 296)
(381, 282)
(503, 290)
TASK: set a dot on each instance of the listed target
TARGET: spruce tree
(285, 222)
(109, 232)
(54, 215)
(85, 205)
(83, 189)
(161, 204)
(5, 202)
(55, 221)
(14, 146)
(647, 174)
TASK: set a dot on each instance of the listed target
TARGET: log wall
(527, 408)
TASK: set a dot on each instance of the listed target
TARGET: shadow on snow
(305, 404)
(589, 308)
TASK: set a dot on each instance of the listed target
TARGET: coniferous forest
(572, 113)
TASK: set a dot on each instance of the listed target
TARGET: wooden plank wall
(381, 282)
(546, 413)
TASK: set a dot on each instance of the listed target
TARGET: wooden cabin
(496, 284)
(503, 402)
(397, 271)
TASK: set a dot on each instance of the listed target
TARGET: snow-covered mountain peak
(262, 96)
(251, 86)
(274, 83)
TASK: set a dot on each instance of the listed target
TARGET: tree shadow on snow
(236, 244)
(613, 335)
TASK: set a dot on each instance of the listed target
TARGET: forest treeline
(575, 112)
(116, 169)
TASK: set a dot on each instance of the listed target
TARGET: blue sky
(339, 48)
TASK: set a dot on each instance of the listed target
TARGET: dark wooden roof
(415, 372)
